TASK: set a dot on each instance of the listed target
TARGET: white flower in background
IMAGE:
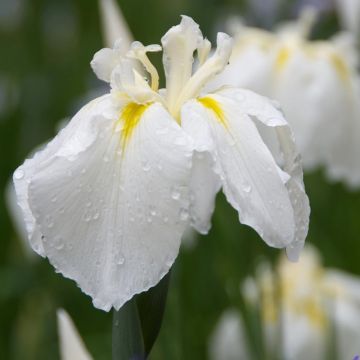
(109, 198)
(229, 341)
(304, 309)
(70, 343)
(317, 86)
(114, 25)
(349, 13)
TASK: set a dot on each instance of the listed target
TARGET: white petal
(349, 11)
(343, 284)
(346, 320)
(250, 64)
(18, 218)
(228, 341)
(179, 44)
(71, 344)
(204, 185)
(107, 216)
(104, 62)
(126, 80)
(114, 24)
(301, 339)
(250, 177)
(22, 176)
(265, 112)
(211, 67)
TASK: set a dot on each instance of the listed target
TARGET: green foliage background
(44, 65)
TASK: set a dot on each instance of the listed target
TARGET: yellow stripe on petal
(340, 67)
(130, 117)
(282, 58)
(215, 107)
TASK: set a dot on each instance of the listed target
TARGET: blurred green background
(46, 47)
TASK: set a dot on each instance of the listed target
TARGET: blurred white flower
(114, 25)
(70, 342)
(317, 86)
(349, 12)
(304, 308)
(109, 198)
(228, 341)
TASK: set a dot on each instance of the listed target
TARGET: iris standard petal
(251, 179)
(179, 44)
(104, 203)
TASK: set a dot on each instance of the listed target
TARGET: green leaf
(127, 339)
(151, 305)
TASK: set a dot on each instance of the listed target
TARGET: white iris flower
(108, 199)
(304, 308)
(317, 84)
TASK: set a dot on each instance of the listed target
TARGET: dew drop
(54, 199)
(120, 259)
(19, 174)
(96, 215)
(146, 166)
(58, 242)
(61, 210)
(166, 219)
(247, 189)
(184, 214)
(87, 216)
(175, 194)
(152, 211)
(49, 221)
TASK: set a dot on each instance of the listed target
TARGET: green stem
(127, 338)
(137, 324)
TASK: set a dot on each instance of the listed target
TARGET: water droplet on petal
(120, 259)
(247, 188)
(146, 166)
(49, 221)
(54, 199)
(96, 215)
(19, 174)
(152, 211)
(175, 194)
(58, 242)
(87, 216)
(184, 214)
